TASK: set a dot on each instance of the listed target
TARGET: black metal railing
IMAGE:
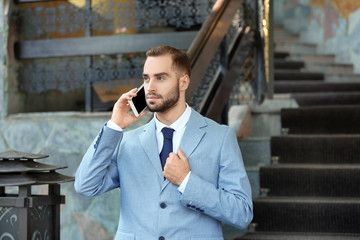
(221, 52)
(71, 48)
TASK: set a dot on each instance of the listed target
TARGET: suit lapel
(193, 134)
(149, 143)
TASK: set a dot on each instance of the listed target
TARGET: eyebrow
(157, 74)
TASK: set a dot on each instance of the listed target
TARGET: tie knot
(167, 132)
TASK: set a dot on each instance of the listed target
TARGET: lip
(152, 97)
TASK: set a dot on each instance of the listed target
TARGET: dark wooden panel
(12, 154)
(10, 166)
(88, 46)
(21, 179)
(13, 201)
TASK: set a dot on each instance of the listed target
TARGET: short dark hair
(181, 60)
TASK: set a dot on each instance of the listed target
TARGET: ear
(184, 82)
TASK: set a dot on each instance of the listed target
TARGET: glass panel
(41, 222)
(58, 81)
(9, 222)
(53, 84)
(113, 75)
(61, 19)
(53, 19)
(60, 74)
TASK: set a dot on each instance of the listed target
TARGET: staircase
(312, 188)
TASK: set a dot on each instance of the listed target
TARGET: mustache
(154, 94)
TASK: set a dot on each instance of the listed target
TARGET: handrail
(220, 95)
(204, 32)
(205, 44)
(211, 97)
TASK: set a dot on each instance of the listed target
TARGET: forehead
(158, 64)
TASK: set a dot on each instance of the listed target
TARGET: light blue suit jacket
(152, 208)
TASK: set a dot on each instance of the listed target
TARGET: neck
(171, 115)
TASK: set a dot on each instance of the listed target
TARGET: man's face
(161, 83)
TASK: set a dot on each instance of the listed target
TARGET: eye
(160, 78)
(145, 78)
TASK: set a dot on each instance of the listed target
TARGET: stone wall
(65, 137)
(334, 25)
(2, 58)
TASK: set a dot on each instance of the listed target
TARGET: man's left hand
(176, 167)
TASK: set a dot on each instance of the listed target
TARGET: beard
(166, 102)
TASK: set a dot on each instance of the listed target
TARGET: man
(202, 182)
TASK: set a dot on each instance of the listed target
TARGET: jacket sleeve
(229, 202)
(98, 171)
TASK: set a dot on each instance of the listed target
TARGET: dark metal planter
(24, 215)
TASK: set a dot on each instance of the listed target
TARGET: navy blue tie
(168, 146)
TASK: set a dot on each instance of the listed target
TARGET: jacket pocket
(124, 236)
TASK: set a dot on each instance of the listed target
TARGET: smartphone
(138, 103)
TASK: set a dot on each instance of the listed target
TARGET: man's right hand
(121, 114)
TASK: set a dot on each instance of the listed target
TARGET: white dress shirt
(179, 127)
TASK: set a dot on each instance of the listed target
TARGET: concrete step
(307, 214)
(265, 118)
(286, 64)
(255, 151)
(326, 180)
(342, 77)
(325, 149)
(314, 86)
(280, 31)
(329, 67)
(283, 74)
(297, 236)
(327, 98)
(296, 47)
(253, 174)
(321, 120)
(280, 38)
(281, 55)
(312, 58)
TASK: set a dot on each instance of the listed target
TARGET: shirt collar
(179, 124)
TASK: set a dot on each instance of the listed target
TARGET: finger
(130, 94)
(124, 99)
(181, 154)
(133, 92)
(173, 155)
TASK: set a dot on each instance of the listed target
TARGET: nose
(150, 85)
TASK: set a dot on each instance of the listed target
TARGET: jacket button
(161, 238)
(163, 205)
